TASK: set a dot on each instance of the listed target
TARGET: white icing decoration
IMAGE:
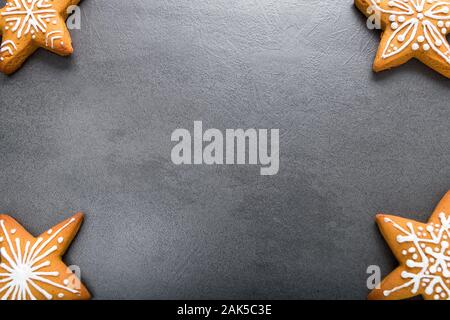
(9, 47)
(416, 21)
(429, 260)
(22, 268)
(27, 15)
(51, 37)
(23, 17)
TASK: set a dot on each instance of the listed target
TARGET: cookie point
(447, 195)
(378, 66)
(375, 294)
(67, 49)
(7, 69)
(78, 216)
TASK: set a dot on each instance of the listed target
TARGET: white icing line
(434, 284)
(430, 28)
(17, 284)
(408, 25)
(29, 15)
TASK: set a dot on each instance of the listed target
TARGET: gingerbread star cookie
(423, 252)
(31, 268)
(26, 25)
(412, 29)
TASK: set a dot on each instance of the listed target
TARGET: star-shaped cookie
(412, 29)
(31, 268)
(26, 25)
(423, 252)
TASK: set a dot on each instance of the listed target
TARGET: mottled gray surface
(92, 133)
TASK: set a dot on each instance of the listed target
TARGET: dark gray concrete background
(92, 133)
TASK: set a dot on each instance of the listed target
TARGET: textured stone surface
(92, 133)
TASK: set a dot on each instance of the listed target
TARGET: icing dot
(444, 30)
(404, 252)
(394, 25)
(401, 19)
(447, 24)
(421, 39)
(420, 16)
(436, 297)
(415, 47)
(440, 24)
(13, 231)
(60, 240)
(66, 282)
(392, 18)
(1, 239)
(60, 295)
(49, 231)
(426, 47)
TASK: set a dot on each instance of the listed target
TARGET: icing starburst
(412, 29)
(423, 251)
(31, 268)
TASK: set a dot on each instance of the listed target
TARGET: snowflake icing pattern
(429, 255)
(419, 24)
(28, 16)
(23, 267)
